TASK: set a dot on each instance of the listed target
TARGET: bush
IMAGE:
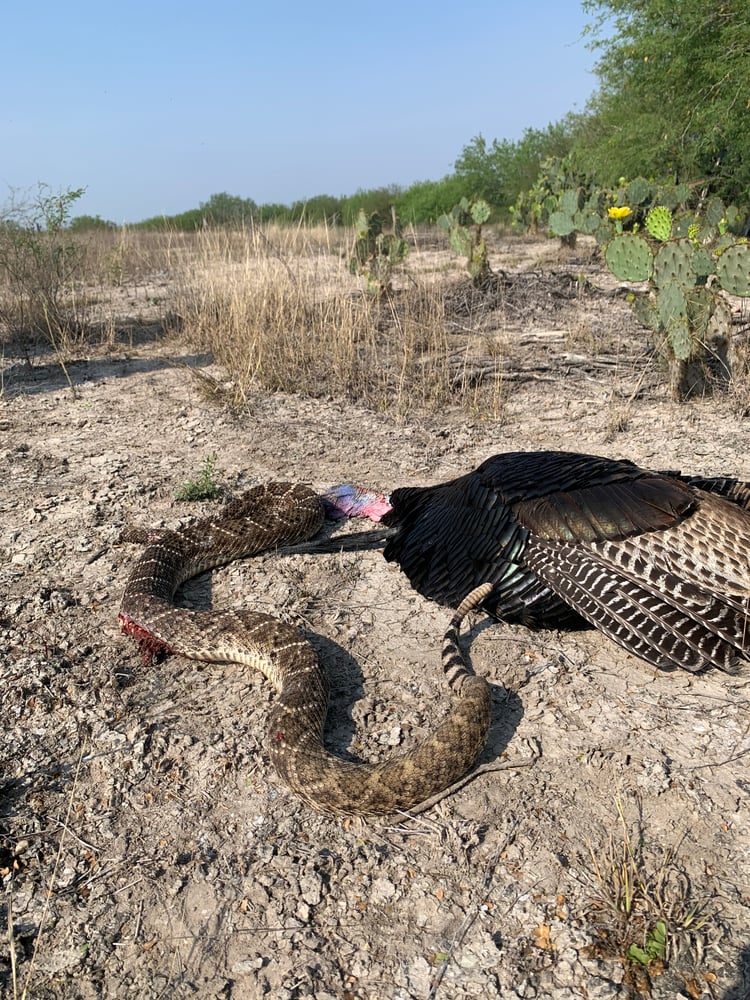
(89, 223)
(39, 262)
(426, 201)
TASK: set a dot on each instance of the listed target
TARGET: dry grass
(645, 910)
(281, 312)
(277, 307)
(65, 290)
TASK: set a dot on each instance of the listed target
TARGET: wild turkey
(658, 561)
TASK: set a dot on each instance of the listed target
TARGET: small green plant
(376, 252)
(655, 948)
(464, 225)
(203, 486)
(643, 910)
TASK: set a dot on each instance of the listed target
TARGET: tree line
(673, 105)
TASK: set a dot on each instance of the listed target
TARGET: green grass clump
(645, 911)
(203, 486)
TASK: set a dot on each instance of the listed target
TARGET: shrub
(39, 264)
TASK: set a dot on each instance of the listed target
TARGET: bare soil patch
(147, 849)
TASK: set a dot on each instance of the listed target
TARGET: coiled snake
(263, 517)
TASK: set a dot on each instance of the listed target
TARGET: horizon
(154, 114)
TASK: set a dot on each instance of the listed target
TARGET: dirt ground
(147, 848)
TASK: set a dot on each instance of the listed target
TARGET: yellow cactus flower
(618, 213)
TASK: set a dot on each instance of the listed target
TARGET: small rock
(382, 890)
(311, 888)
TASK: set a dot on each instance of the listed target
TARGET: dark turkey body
(657, 561)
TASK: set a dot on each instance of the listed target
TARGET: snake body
(264, 517)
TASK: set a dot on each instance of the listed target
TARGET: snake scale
(265, 517)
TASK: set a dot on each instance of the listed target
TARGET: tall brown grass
(278, 308)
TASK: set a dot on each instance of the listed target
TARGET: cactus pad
(368, 225)
(659, 223)
(587, 222)
(701, 303)
(561, 224)
(637, 191)
(629, 258)
(680, 340)
(646, 312)
(673, 262)
(672, 195)
(671, 304)
(480, 211)
(703, 263)
(733, 217)
(715, 212)
(683, 227)
(569, 201)
(733, 269)
(460, 241)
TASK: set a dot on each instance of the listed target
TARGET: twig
(458, 785)
(138, 920)
(12, 946)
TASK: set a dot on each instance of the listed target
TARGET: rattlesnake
(264, 517)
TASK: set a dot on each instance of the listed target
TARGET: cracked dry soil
(148, 850)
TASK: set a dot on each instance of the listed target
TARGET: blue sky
(154, 106)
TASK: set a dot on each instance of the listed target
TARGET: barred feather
(659, 562)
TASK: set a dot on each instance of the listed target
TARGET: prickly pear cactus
(637, 191)
(703, 264)
(561, 224)
(480, 212)
(672, 196)
(733, 269)
(576, 213)
(460, 241)
(688, 261)
(674, 262)
(569, 202)
(702, 307)
(376, 253)
(629, 257)
(715, 212)
(464, 227)
(672, 308)
(659, 223)
(649, 233)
